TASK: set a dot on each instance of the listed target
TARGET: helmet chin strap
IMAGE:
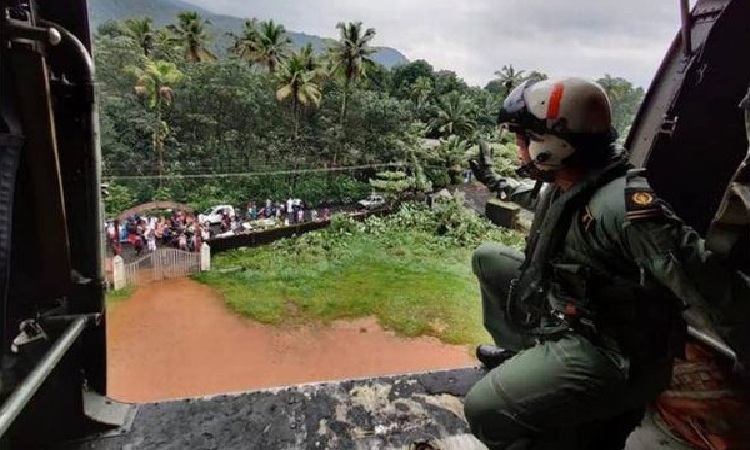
(532, 171)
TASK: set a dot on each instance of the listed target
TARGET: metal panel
(689, 131)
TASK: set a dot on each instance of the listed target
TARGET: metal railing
(29, 386)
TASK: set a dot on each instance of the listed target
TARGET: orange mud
(176, 338)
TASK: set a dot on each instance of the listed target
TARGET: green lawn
(414, 282)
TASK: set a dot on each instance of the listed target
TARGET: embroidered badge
(642, 198)
(642, 203)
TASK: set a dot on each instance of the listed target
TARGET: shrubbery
(449, 224)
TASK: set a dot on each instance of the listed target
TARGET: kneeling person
(588, 321)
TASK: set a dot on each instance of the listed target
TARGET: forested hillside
(180, 121)
(163, 12)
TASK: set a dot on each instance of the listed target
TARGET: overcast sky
(476, 37)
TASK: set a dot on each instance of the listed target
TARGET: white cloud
(476, 37)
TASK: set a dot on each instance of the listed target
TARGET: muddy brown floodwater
(176, 339)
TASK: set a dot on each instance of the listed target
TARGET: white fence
(160, 264)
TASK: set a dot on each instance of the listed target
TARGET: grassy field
(415, 282)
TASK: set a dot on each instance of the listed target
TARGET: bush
(449, 225)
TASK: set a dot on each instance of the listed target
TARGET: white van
(213, 215)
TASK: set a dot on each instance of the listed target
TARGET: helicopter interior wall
(691, 168)
(79, 160)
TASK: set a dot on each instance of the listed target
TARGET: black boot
(492, 356)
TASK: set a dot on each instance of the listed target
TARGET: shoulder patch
(641, 202)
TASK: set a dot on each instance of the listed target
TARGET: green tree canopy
(140, 30)
(190, 33)
(624, 98)
(271, 45)
(455, 116)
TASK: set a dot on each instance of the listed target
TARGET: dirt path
(176, 339)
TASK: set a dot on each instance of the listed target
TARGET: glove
(483, 170)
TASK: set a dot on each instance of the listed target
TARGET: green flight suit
(557, 393)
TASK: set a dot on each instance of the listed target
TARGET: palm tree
(298, 84)
(509, 76)
(246, 45)
(350, 56)
(272, 45)
(190, 33)
(454, 115)
(154, 83)
(308, 56)
(139, 29)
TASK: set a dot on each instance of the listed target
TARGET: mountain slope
(165, 11)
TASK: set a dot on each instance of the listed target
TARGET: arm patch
(641, 202)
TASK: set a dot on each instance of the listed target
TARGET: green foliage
(265, 44)
(163, 193)
(406, 75)
(225, 123)
(448, 224)
(455, 115)
(119, 199)
(391, 184)
(504, 154)
(397, 268)
(350, 56)
(343, 187)
(191, 35)
(201, 194)
(453, 153)
(625, 99)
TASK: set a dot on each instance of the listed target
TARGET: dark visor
(516, 100)
(515, 114)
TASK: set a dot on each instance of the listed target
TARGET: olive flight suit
(572, 390)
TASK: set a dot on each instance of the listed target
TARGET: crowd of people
(184, 231)
(271, 214)
(179, 230)
(290, 211)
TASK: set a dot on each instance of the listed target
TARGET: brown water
(176, 338)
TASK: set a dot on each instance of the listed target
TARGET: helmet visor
(515, 114)
(516, 100)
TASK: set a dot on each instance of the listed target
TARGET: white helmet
(563, 118)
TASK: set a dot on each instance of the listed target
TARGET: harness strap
(533, 285)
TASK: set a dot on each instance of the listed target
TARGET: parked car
(372, 201)
(213, 215)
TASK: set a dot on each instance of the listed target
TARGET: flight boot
(492, 356)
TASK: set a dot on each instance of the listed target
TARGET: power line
(250, 174)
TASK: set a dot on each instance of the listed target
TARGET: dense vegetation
(411, 270)
(264, 119)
